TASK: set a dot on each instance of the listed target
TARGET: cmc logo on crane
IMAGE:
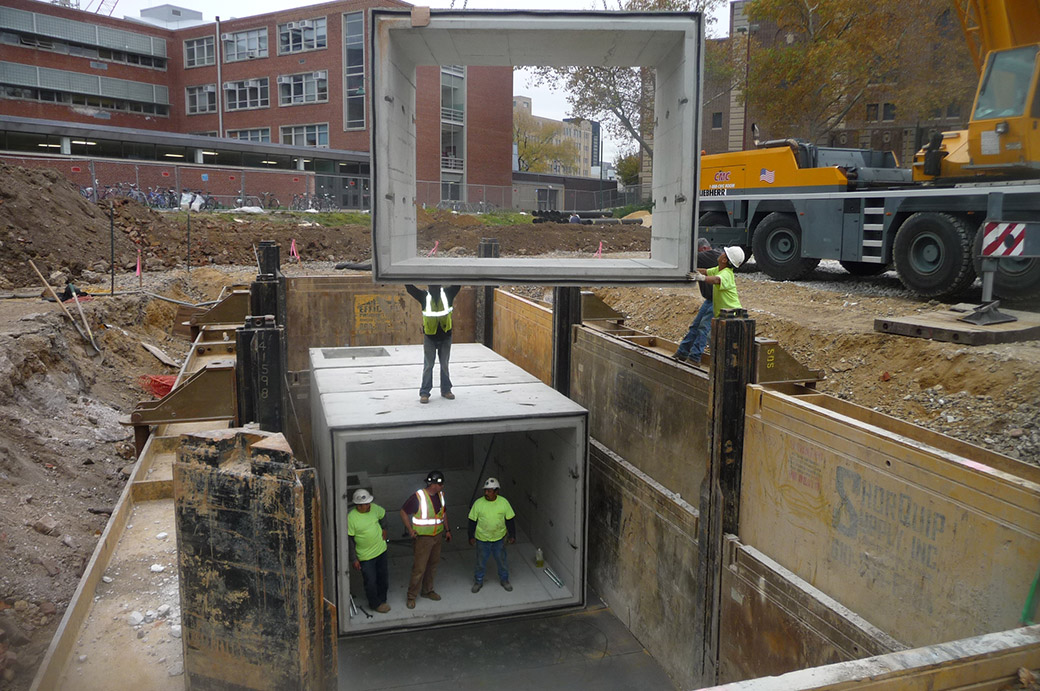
(722, 176)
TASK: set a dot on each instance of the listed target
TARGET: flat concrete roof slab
(474, 406)
(408, 377)
(671, 43)
(388, 356)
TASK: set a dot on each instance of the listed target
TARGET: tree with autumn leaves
(814, 63)
(540, 144)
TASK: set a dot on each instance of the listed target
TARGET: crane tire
(932, 254)
(1014, 279)
(777, 246)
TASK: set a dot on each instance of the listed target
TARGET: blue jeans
(440, 350)
(375, 574)
(496, 549)
(695, 340)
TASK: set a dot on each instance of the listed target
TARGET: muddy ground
(64, 457)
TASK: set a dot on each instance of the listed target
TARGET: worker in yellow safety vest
(425, 517)
(437, 305)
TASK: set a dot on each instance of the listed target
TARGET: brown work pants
(427, 550)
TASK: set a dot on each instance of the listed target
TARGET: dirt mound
(44, 217)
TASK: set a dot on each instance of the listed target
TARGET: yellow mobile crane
(971, 196)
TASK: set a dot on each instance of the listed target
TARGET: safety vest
(432, 318)
(425, 521)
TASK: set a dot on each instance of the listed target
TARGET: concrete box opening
(667, 44)
(517, 429)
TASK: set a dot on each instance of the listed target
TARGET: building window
(872, 112)
(716, 121)
(310, 87)
(953, 111)
(250, 93)
(258, 134)
(201, 99)
(354, 69)
(28, 93)
(453, 97)
(199, 52)
(888, 113)
(306, 135)
(244, 45)
(306, 34)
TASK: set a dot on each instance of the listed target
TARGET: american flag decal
(1003, 239)
(767, 176)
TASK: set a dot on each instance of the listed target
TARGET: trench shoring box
(370, 430)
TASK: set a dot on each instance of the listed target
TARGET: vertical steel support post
(485, 323)
(260, 373)
(994, 212)
(732, 360)
(566, 313)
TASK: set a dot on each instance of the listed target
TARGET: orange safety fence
(157, 384)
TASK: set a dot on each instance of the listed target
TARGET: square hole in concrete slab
(354, 352)
(664, 46)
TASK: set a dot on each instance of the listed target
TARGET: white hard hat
(735, 255)
(362, 496)
(491, 483)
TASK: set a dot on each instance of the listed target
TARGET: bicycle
(269, 201)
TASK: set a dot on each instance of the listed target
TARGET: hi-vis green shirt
(724, 294)
(491, 517)
(366, 531)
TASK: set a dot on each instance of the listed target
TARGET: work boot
(383, 608)
(476, 587)
(410, 604)
(450, 396)
(425, 398)
(679, 357)
(508, 586)
(432, 595)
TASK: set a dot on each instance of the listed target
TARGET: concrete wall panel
(644, 408)
(643, 559)
(928, 541)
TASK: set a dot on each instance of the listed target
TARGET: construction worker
(490, 520)
(425, 517)
(692, 345)
(722, 281)
(437, 308)
(366, 536)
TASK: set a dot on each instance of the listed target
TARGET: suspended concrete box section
(371, 431)
(668, 44)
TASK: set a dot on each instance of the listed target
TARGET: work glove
(696, 276)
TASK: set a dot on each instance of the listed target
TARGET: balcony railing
(452, 115)
(452, 163)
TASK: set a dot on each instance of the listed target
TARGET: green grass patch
(623, 211)
(505, 218)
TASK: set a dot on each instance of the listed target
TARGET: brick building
(294, 83)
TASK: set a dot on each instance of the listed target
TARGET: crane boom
(997, 25)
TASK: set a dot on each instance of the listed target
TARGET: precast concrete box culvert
(372, 432)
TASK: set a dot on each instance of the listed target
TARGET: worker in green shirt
(490, 520)
(722, 281)
(366, 536)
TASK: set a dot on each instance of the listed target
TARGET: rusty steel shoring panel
(250, 565)
(732, 348)
(208, 394)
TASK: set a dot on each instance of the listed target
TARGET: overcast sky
(546, 103)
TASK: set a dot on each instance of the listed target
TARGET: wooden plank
(926, 545)
(943, 325)
(160, 355)
(983, 663)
